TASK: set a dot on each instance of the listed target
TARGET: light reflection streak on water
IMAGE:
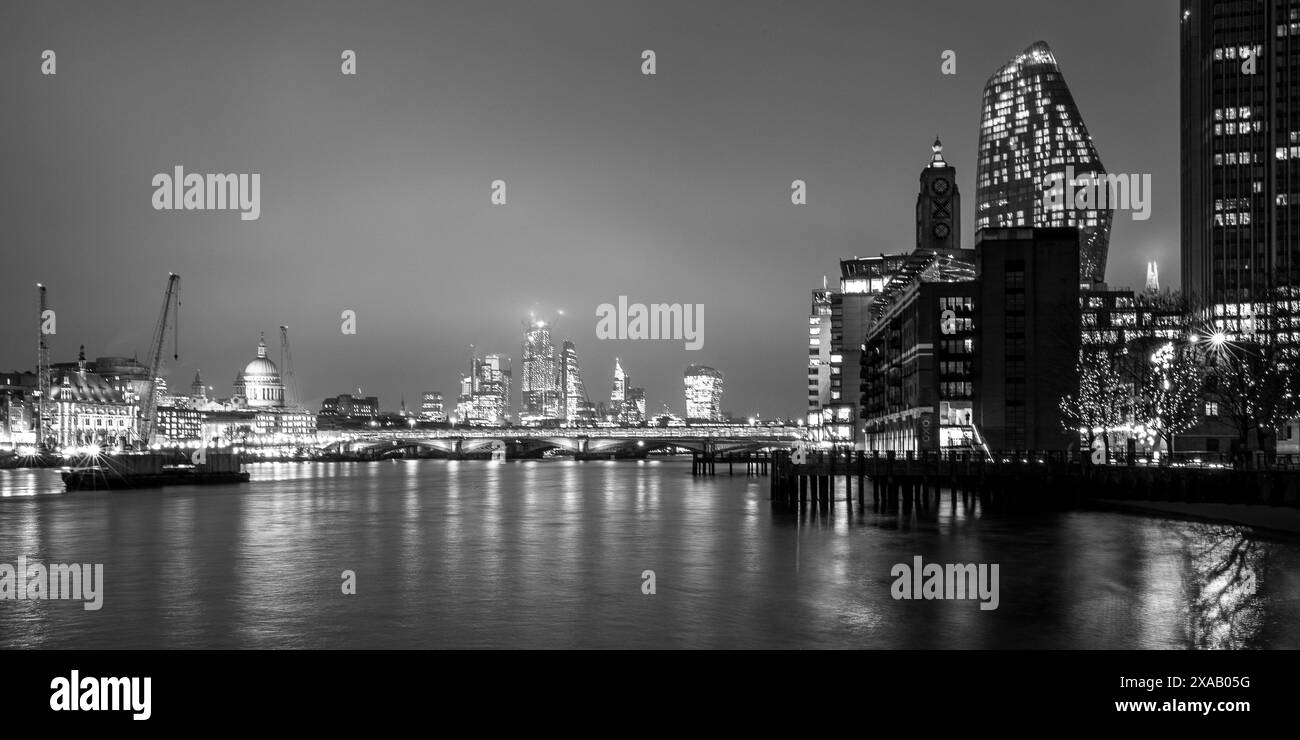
(549, 554)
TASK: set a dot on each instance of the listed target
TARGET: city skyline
(945, 401)
(263, 383)
(398, 199)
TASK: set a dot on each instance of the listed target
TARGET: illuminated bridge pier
(1021, 480)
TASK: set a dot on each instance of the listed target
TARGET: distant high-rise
(577, 408)
(703, 393)
(632, 413)
(431, 407)
(465, 399)
(819, 357)
(489, 391)
(1240, 112)
(619, 393)
(1030, 133)
(543, 396)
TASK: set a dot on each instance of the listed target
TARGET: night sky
(375, 188)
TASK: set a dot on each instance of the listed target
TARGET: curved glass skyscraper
(1030, 133)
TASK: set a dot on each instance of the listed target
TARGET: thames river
(551, 554)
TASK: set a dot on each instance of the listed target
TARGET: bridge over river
(582, 442)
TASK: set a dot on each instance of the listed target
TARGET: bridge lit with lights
(526, 442)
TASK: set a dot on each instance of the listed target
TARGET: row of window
(1231, 129)
(1245, 157)
(956, 389)
(1232, 218)
(1231, 114)
(956, 303)
(99, 422)
(958, 346)
(1242, 52)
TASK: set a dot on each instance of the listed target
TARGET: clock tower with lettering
(938, 205)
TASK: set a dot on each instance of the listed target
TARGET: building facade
(840, 320)
(703, 394)
(348, 406)
(1114, 320)
(488, 392)
(821, 372)
(17, 409)
(918, 372)
(1027, 337)
(259, 385)
(1030, 133)
(87, 410)
(632, 411)
(1240, 147)
(431, 409)
(577, 409)
(542, 394)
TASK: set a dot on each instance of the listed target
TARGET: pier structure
(1023, 479)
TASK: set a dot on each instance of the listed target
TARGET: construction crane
(286, 370)
(149, 407)
(42, 374)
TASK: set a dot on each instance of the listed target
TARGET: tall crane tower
(42, 373)
(286, 370)
(149, 406)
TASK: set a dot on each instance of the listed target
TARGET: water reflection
(550, 554)
(1222, 580)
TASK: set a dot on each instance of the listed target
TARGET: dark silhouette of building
(348, 406)
(1026, 336)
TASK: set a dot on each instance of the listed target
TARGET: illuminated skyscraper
(465, 399)
(703, 393)
(819, 356)
(1030, 132)
(1240, 111)
(578, 409)
(489, 391)
(543, 396)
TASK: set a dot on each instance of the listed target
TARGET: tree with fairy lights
(1169, 387)
(1100, 402)
(1254, 384)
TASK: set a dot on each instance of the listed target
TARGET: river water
(551, 554)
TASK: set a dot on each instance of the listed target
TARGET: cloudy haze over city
(375, 188)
